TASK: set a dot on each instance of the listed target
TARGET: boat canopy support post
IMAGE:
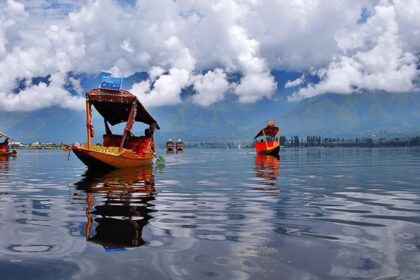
(265, 139)
(107, 129)
(89, 126)
(129, 125)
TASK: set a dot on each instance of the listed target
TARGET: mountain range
(360, 114)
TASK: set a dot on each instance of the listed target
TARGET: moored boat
(117, 106)
(170, 146)
(179, 146)
(65, 147)
(268, 140)
(5, 146)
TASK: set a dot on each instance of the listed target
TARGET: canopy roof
(268, 131)
(4, 135)
(115, 105)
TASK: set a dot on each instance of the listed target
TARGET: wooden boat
(268, 140)
(170, 146)
(117, 151)
(5, 147)
(179, 146)
(65, 147)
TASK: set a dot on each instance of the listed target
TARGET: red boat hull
(267, 148)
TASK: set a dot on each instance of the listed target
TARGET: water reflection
(118, 206)
(4, 163)
(4, 168)
(267, 167)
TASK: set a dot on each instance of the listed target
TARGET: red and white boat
(268, 140)
(5, 146)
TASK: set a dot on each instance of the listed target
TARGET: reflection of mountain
(118, 206)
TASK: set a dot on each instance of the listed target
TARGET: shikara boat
(5, 147)
(117, 150)
(268, 140)
(170, 146)
(65, 147)
(179, 145)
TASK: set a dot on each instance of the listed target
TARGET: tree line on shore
(317, 141)
(292, 141)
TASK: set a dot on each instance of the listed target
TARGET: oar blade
(160, 160)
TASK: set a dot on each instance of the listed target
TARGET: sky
(336, 46)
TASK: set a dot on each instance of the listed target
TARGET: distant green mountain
(362, 114)
(48, 125)
(378, 113)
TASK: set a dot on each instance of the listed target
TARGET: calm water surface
(214, 214)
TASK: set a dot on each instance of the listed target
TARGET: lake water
(214, 214)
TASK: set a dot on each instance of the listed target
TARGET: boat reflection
(118, 206)
(4, 163)
(267, 167)
(4, 158)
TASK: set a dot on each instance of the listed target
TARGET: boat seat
(134, 143)
(112, 140)
(140, 144)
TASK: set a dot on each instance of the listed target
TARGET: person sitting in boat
(148, 132)
(6, 141)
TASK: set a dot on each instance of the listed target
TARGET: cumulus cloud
(199, 44)
(210, 87)
(41, 95)
(374, 58)
(295, 83)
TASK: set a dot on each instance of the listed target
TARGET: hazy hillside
(356, 114)
(327, 115)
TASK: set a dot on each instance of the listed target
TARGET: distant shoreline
(291, 142)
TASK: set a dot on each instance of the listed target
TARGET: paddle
(160, 160)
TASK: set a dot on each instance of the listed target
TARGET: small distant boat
(65, 147)
(117, 106)
(170, 146)
(179, 145)
(268, 140)
(5, 146)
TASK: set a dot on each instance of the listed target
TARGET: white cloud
(296, 82)
(39, 96)
(376, 60)
(210, 87)
(177, 41)
(253, 87)
(166, 89)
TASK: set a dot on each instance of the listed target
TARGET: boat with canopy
(268, 140)
(179, 145)
(117, 106)
(170, 146)
(4, 146)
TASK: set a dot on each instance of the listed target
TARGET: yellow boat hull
(110, 157)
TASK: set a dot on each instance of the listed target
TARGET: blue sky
(299, 49)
